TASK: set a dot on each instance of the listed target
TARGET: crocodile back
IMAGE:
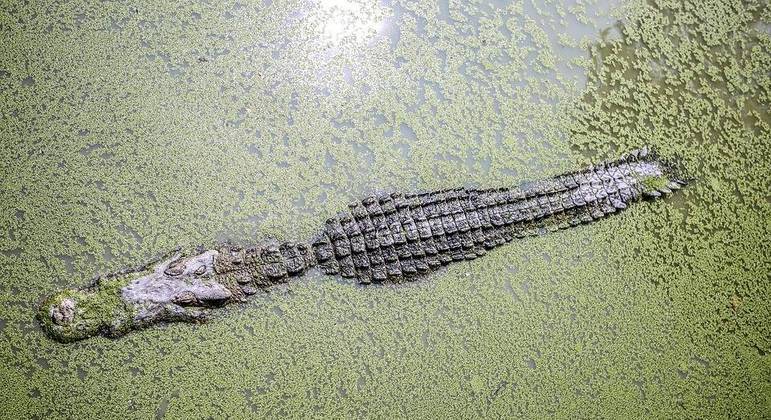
(398, 237)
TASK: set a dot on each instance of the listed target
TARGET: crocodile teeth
(665, 190)
(674, 186)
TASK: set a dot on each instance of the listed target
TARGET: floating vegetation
(127, 127)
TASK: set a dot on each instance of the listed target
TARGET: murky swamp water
(129, 129)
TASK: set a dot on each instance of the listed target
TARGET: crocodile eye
(200, 270)
(175, 270)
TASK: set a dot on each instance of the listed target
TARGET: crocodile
(383, 238)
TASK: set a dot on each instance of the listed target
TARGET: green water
(128, 129)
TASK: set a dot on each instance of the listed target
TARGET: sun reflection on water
(349, 20)
(344, 37)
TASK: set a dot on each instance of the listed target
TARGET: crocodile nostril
(64, 312)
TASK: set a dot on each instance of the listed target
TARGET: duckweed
(653, 183)
(130, 129)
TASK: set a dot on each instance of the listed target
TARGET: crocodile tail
(675, 170)
(673, 175)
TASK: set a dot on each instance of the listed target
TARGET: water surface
(130, 129)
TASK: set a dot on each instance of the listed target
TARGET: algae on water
(131, 129)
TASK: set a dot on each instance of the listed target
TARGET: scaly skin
(384, 238)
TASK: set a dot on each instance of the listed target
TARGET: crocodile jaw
(179, 289)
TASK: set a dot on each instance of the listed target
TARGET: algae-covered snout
(179, 289)
(75, 314)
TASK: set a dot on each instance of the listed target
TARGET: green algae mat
(128, 129)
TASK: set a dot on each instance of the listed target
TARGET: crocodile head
(178, 289)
